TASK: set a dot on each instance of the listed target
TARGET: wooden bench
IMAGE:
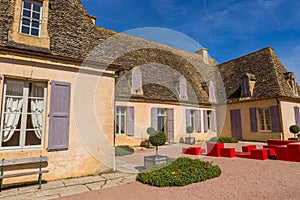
(36, 161)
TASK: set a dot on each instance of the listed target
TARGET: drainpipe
(280, 119)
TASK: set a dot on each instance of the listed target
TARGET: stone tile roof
(268, 70)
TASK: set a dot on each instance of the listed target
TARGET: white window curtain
(37, 109)
(13, 109)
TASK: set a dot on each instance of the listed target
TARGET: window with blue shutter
(188, 117)
(215, 121)
(211, 91)
(136, 87)
(59, 118)
(297, 116)
(136, 82)
(206, 121)
(198, 121)
(154, 118)
(245, 88)
(171, 125)
(183, 88)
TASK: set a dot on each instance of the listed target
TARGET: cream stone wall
(142, 121)
(79, 159)
(245, 120)
(288, 117)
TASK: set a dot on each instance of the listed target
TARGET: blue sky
(228, 28)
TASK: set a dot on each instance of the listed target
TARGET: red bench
(242, 154)
(281, 152)
(213, 149)
(192, 150)
(259, 154)
(293, 152)
(227, 152)
(248, 148)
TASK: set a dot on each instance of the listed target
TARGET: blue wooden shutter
(276, 126)
(183, 92)
(171, 125)
(154, 118)
(215, 121)
(253, 119)
(245, 88)
(59, 118)
(130, 121)
(136, 82)
(198, 121)
(297, 116)
(205, 121)
(188, 117)
(211, 89)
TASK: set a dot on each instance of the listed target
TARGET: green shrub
(294, 129)
(180, 172)
(151, 131)
(189, 129)
(158, 139)
(223, 139)
(123, 150)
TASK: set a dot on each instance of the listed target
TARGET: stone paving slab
(114, 175)
(96, 186)
(64, 191)
(83, 180)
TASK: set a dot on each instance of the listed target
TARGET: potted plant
(156, 138)
(295, 130)
(190, 130)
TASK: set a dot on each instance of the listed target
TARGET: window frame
(164, 115)
(23, 117)
(40, 21)
(136, 72)
(183, 83)
(119, 121)
(264, 119)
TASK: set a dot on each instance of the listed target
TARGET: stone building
(262, 97)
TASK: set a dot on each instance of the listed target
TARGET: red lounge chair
(213, 149)
(227, 152)
(293, 152)
(281, 152)
(248, 148)
(259, 154)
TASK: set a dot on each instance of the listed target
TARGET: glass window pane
(27, 5)
(25, 30)
(36, 16)
(35, 24)
(37, 89)
(26, 22)
(33, 138)
(122, 124)
(26, 13)
(14, 141)
(36, 7)
(35, 32)
(14, 87)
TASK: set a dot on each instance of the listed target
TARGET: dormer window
(291, 80)
(137, 82)
(31, 18)
(211, 91)
(247, 85)
(182, 88)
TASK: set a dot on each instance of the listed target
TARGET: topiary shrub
(151, 131)
(123, 150)
(294, 129)
(158, 139)
(223, 139)
(181, 172)
(189, 129)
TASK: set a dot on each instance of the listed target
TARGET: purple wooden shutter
(211, 89)
(297, 116)
(276, 126)
(154, 118)
(59, 117)
(205, 121)
(136, 82)
(188, 117)
(253, 119)
(171, 125)
(215, 121)
(183, 88)
(130, 121)
(198, 121)
(245, 88)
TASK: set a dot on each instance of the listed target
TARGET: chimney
(204, 54)
(93, 18)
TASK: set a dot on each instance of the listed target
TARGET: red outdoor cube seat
(213, 149)
(248, 148)
(227, 152)
(281, 152)
(242, 154)
(293, 152)
(281, 142)
(192, 150)
(270, 146)
(259, 154)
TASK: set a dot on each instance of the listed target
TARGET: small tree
(189, 130)
(158, 139)
(294, 129)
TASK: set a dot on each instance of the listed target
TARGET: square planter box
(150, 161)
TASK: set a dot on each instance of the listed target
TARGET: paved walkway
(66, 187)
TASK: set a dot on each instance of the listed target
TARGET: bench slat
(20, 161)
(23, 174)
